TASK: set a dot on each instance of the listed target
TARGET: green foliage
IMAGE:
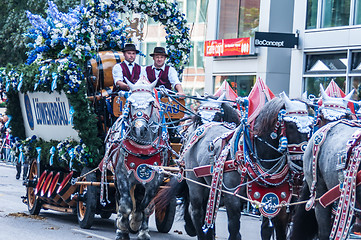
(14, 23)
(13, 110)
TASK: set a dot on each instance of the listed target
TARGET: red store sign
(227, 47)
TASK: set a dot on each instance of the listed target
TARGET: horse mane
(267, 118)
(230, 114)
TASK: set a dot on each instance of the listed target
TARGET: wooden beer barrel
(101, 68)
(52, 194)
(40, 183)
(66, 189)
(46, 184)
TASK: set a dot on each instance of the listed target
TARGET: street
(16, 223)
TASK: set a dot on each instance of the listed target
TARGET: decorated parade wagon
(62, 105)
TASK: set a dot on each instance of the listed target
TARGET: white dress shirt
(118, 71)
(172, 74)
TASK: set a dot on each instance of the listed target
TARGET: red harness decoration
(317, 143)
(137, 149)
(204, 171)
(215, 191)
(139, 166)
(270, 197)
(346, 204)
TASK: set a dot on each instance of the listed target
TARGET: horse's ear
(323, 93)
(153, 84)
(348, 97)
(130, 84)
(285, 99)
(304, 96)
(222, 97)
(198, 95)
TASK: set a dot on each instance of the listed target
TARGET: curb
(6, 164)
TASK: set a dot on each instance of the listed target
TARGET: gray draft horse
(309, 224)
(142, 141)
(199, 155)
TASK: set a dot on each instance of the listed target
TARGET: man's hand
(180, 92)
(181, 95)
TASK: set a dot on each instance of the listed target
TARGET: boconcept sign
(278, 40)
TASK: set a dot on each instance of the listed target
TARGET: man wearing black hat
(128, 68)
(166, 75)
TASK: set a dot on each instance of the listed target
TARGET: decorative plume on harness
(334, 108)
(210, 108)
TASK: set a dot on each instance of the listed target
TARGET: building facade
(242, 18)
(330, 46)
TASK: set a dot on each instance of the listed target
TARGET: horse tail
(173, 189)
(304, 222)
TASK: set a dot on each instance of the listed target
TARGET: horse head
(333, 108)
(283, 125)
(143, 111)
(215, 110)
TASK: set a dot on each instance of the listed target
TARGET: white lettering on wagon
(50, 113)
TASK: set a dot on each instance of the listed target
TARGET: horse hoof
(143, 235)
(122, 236)
(135, 221)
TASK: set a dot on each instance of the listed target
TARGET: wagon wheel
(164, 221)
(87, 203)
(34, 203)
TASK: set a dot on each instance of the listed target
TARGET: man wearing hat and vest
(167, 75)
(128, 68)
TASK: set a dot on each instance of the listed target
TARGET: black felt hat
(159, 51)
(130, 47)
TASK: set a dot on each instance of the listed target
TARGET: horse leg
(266, 228)
(323, 216)
(125, 207)
(233, 207)
(122, 232)
(144, 230)
(197, 211)
(143, 211)
(280, 223)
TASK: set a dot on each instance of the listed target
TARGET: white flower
(39, 40)
(107, 2)
(92, 21)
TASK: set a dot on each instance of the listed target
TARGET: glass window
(242, 85)
(192, 6)
(356, 62)
(191, 10)
(148, 49)
(248, 18)
(311, 19)
(358, 12)
(326, 63)
(196, 60)
(335, 13)
(238, 18)
(356, 84)
(312, 84)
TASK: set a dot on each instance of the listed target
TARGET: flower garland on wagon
(74, 38)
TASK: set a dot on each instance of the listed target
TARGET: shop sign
(278, 40)
(227, 47)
